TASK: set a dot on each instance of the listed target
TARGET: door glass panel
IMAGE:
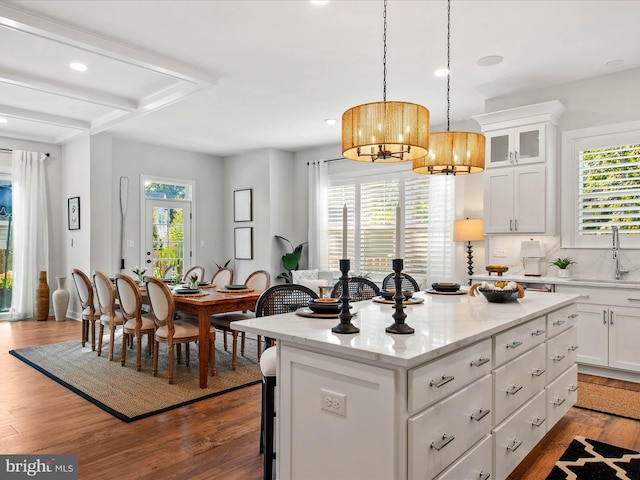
(169, 240)
(6, 246)
(530, 144)
(499, 148)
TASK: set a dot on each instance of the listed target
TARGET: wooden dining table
(210, 304)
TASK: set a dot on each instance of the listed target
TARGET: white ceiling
(223, 77)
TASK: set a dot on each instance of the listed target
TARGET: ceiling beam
(40, 117)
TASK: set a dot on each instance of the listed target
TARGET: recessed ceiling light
(441, 72)
(319, 2)
(3, 120)
(77, 66)
(614, 63)
(490, 60)
(330, 121)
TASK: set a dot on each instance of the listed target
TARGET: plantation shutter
(416, 218)
(339, 195)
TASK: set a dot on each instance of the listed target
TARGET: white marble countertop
(587, 282)
(443, 323)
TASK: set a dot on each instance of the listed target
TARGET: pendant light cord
(448, 59)
(384, 53)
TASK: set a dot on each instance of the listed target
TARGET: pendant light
(385, 131)
(452, 153)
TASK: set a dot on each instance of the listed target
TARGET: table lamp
(532, 252)
(468, 230)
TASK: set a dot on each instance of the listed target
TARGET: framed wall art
(73, 213)
(243, 205)
(243, 243)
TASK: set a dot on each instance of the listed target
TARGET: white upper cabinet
(520, 175)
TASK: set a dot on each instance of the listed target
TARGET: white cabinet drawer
(561, 353)
(515, 438)
(561, 395)
(474, 465)
(518, 381)
(514, 342)
(562, 319)
(614, 295)
(432, 382)
(443, 432)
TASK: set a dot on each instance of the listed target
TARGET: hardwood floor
(212, 439)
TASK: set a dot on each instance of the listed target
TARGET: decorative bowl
(498, 270)
(445, 287)
(388, 294)
(499, 296)
(324, 305)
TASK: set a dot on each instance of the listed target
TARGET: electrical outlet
(333, 402)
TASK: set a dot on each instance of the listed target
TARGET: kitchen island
(472, 390)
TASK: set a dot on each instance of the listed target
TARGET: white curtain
(31, 230)
(318, 212)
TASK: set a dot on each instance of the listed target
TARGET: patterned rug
(586, 459)
(131, 395)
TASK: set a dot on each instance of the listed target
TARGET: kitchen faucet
(616, 252)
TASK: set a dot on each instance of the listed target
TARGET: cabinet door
(529, 144)
(593, 335)
(499, 148)
(624, 353)
(530, 199)
(498, 200)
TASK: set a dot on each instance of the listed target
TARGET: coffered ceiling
(223, 77)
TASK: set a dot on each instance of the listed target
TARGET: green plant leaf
(290, 261)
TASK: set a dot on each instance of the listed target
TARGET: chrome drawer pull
(538, 332)
(513, 389)
(559, 322)
(634, 299)
(514, 445)
(446, 439)
(537, 421)
(484, 476)
(480, 414)
(557, 358)
(558, 401)
(514, 344)
(479, 362)
(572, 388)
(538, 371)
(445, 379)
(574, 315)
(572, 348)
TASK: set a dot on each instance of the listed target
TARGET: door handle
(148, 261)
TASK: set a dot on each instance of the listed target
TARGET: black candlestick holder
(345, 325)
(399, 316)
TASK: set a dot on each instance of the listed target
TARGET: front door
(167, 238)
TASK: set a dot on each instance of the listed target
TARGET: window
(427, 204)
(601, 185)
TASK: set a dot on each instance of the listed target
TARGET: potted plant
(563, 264)
(291, 260)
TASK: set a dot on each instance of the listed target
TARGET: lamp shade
(385, 132)
(452, 153)
(532, 248)
(468, 230)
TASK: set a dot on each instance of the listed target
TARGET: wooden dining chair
(109, 316)
(136, 324)
(360, 289)
(278, 299)
(259, 280)
(222, 277)
(198, 270)
(90, 315)
(169, 331)
(409, 283)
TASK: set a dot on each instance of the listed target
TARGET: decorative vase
(563, 272)
(60, 300)
(42, 297)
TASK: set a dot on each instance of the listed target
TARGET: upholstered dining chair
(259, 280)
(109, 316)
(278, 299)
(136, 324)
(169, 331)
(222, 277)
(90, 315)
(360, 288)
(198, 270)
(409, 283)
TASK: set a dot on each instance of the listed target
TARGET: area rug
(613, 400)
(131, 395)
(586, 459)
